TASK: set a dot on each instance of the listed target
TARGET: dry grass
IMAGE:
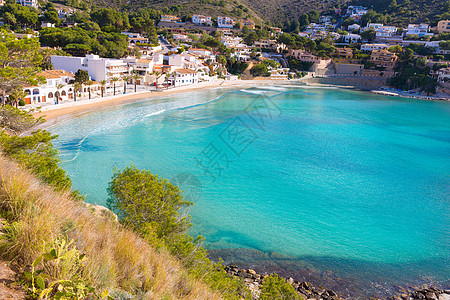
(117, 259)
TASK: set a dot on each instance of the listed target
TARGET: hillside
(401, 12)
(115, 259)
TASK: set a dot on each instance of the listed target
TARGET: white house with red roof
(57, 86)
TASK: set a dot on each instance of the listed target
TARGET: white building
(231, 42)
(200, 19)
(351, 38)
(225, 22)
(371, 47)
(98, 68)
(183, 77)
(135, 38)
(353, 27)
(356, 12)
(418, 29)
(270, 45)
(169, 18)
(242, 52)
(182, 38)
(47, 25)
(325, 19)
(57, 87)
(29, 3)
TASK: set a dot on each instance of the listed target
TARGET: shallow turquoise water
(346, 180)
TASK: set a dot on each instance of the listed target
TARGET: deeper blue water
(339, 180)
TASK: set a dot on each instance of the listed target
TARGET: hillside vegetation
(67, 249)
(403, 12)
(277, 12)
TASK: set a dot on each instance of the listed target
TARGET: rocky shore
(424, 293)
(308, 291)
(305, 289)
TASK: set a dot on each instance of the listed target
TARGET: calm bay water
(289, 177)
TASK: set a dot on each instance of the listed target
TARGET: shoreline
(54, 114)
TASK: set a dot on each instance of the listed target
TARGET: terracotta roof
(186, 71)
(54, 74)
(144, 61)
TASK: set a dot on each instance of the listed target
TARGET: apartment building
(371, 47)
(29, 3)
(344, 52)
(200, 19)
(98, 68)
(225, 22)
(418, 29)
(443, 26)
(351, 38)
(383, 58)
(249, 23)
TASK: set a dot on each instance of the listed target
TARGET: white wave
(274, 88)
(256, 92)
(155, 113)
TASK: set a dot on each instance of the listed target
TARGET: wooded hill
(276, 12)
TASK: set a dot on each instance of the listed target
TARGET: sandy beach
(56, 113)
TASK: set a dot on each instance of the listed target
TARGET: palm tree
(16, 95)
(76, 87)
(136, 77)
(114, 80)
(58, 87)
(89, 83)
(103, 83)
(125, 79)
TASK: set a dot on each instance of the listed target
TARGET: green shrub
(276, 288)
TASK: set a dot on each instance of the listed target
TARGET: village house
(182, 77)
(356, 12)
(202, 53)
(56, 87)
(225, 22)
(442, 74)
(242, 52)
(371, 47)
(344, 52)
(29, 3)
(135, 38)
(351, 38)
(169, 18)
(200, 19)
(321, 66)
(182, 38)
(353, 27)
(225, 32)
(270, 45)
(231, 42)
(418, 29)
(443, 26)
(383, 58)
(249, 23)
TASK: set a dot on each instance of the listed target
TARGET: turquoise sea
(339, 187)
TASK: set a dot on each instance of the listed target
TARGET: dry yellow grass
(117, 258)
